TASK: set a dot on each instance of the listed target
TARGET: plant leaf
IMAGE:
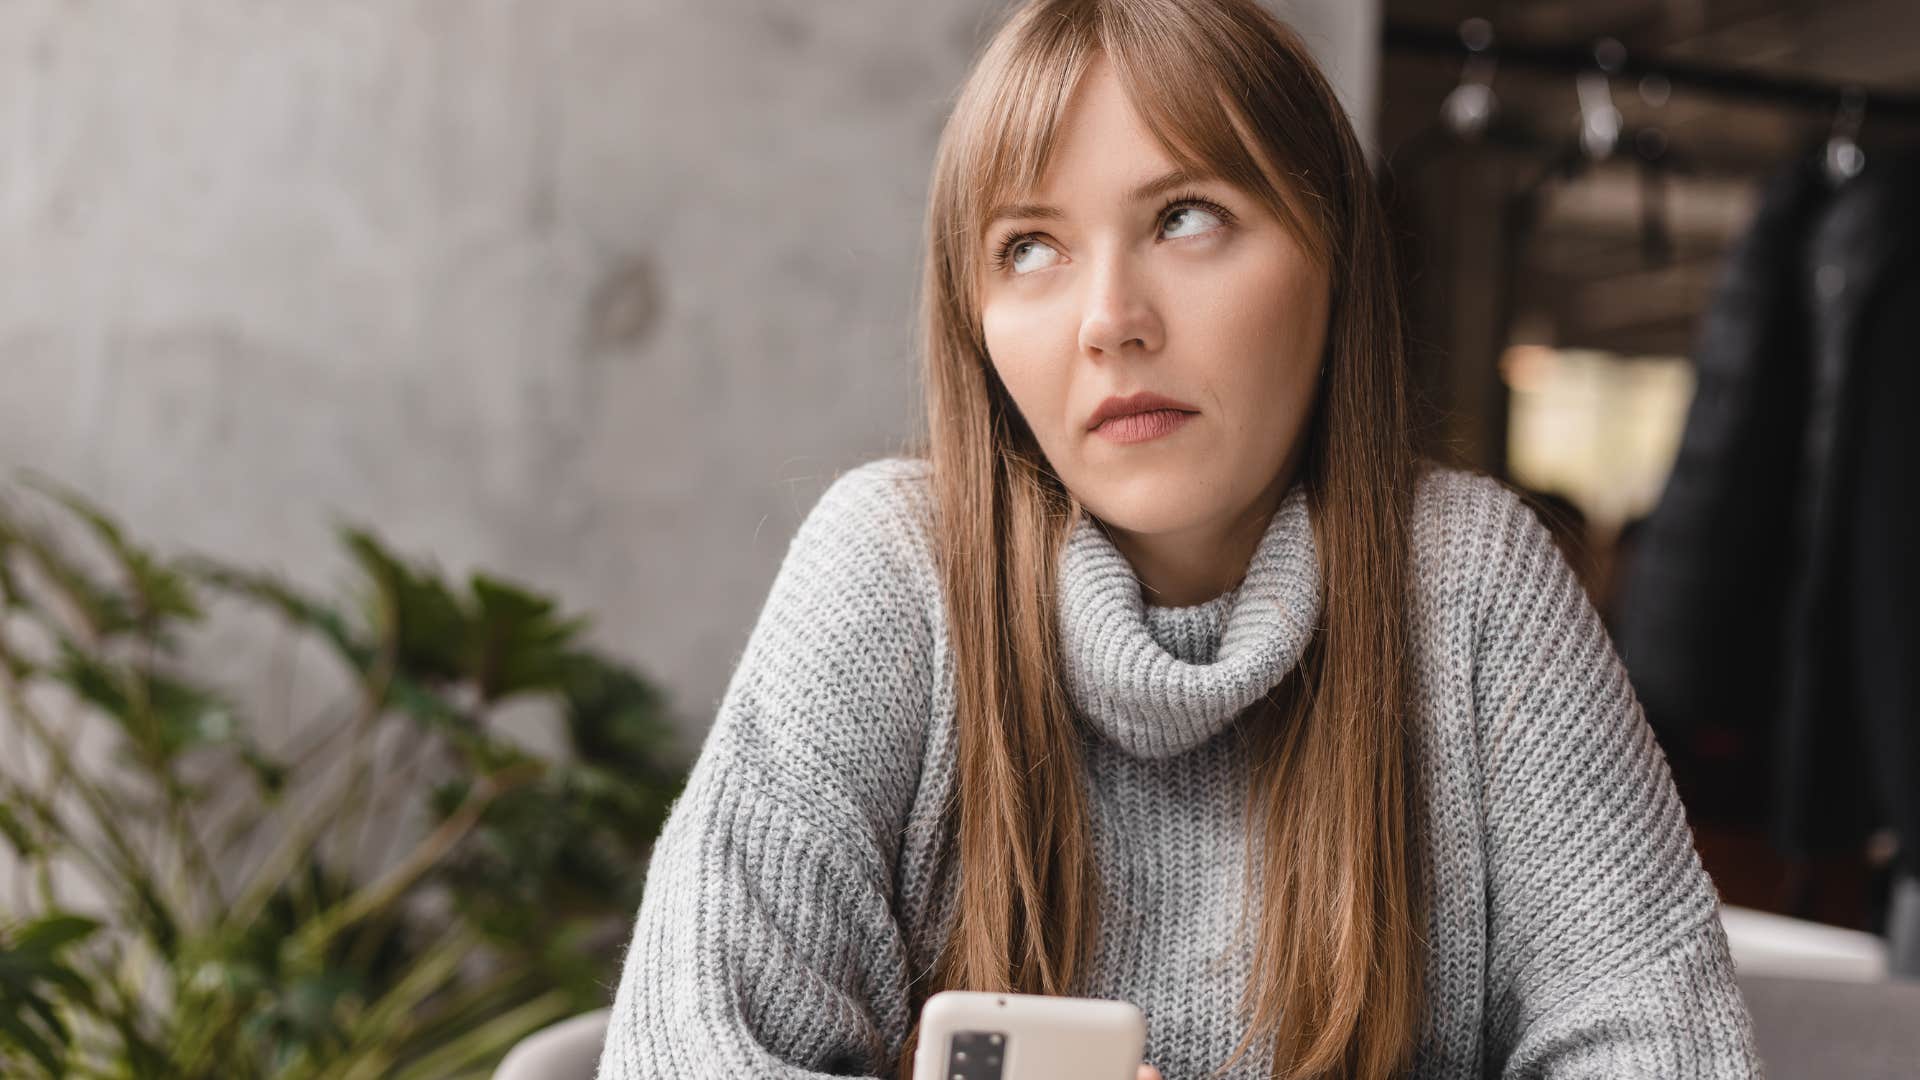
(413, 611)
(54, 932)
(290, 602)
(163, 593)
(519, 645)
(17, 833)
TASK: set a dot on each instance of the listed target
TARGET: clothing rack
(1772, 90)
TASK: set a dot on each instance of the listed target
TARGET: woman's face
(1216, 307)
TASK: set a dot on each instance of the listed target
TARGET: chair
(1831, 1028)
(568, 1050)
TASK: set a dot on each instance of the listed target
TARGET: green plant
(228, 933)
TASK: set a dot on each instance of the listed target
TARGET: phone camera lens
(975, 1055)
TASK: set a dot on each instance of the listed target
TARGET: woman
(1230, 708)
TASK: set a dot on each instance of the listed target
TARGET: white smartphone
(970, 1035)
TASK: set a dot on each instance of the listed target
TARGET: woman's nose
(1117, 310)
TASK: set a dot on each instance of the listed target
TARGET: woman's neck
(1199, 563)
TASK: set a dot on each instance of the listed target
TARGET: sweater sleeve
(766, 944)
(1606, 956)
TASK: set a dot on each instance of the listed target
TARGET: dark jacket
(1774, 591)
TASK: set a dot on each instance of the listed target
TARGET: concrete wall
(599, 294)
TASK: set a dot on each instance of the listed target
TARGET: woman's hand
(1147, 1072)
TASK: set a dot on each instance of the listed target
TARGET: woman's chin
(1145, 508)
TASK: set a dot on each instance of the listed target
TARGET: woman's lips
(1142, 426)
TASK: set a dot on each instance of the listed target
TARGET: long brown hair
(1227, 90)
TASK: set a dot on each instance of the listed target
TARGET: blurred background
(407, 405)
(1663, 264)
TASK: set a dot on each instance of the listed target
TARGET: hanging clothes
(1775, 591)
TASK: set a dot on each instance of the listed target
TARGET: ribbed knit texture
(1161, 681)
(809, 870)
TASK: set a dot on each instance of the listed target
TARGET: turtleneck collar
(1158, 681)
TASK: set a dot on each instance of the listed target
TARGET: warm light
(1599, 428)
(1528, 367)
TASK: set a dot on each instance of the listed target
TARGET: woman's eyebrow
(1140, 192)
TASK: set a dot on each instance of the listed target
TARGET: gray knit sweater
(805, 874)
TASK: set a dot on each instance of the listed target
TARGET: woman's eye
(1186, 214)
(1182, 215)
(1015, 252)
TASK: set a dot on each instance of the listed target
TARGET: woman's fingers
(1148, 1072)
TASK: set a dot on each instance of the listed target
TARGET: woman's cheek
(1030, 393)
